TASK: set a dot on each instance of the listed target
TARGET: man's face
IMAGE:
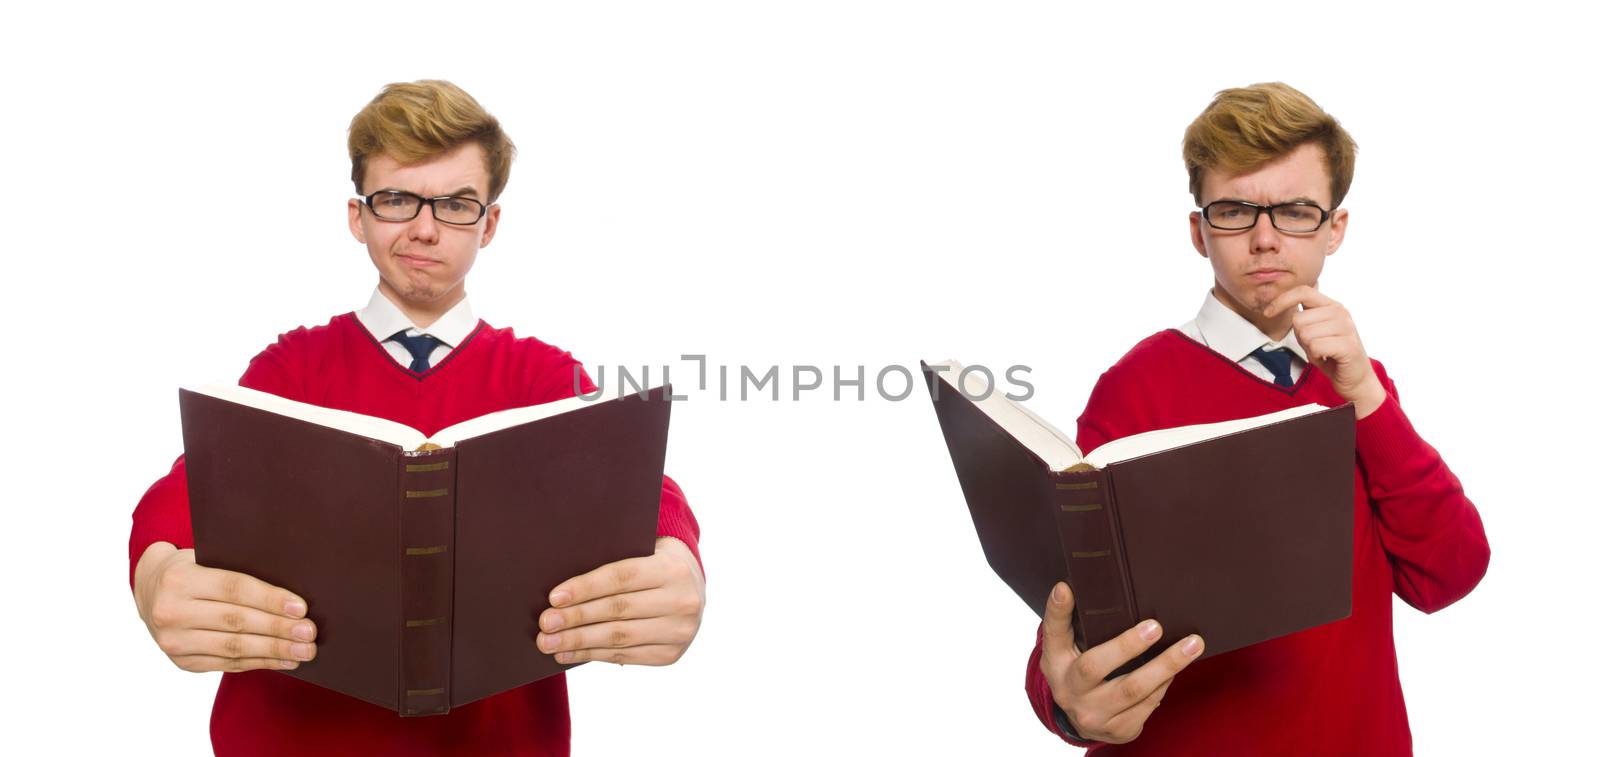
(423, 263)
(1254, 266)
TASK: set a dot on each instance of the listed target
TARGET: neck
(1275, 328)
(423, 314)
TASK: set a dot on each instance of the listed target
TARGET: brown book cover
(425, 567)
(1237, 535)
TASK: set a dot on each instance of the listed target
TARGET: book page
(1138, 445)
(355, 423)
(1056, 449)
(404, 436)
(503, 419)
(1059, 452)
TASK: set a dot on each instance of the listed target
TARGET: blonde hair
(1247, 127)
(424, 119)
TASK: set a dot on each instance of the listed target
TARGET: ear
(491, 222)
(1336, 224)
(354, 208)
(1197, 235)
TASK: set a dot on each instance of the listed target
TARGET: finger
(652, 603)
(632, 574)
(1306, 318)
(1129, 689)
(221, 616)
(1315, 354)
(1058, 643)
(1304, 296)
(650, 654)
(1320, 330)
(1094, 665)
(1130, 722)
(1286, 301)
(207, 663)
(617, 634)
(236, 646)
(240, 589)
(1339, 348)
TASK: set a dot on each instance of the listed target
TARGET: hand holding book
(638, 611)
(1114, 710)
(208, 619)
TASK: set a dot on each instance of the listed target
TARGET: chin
(1264, 293)
(421, 295)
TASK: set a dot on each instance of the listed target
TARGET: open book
(1240, 531)
(1059, 452)
(425, 562)
(384, 429)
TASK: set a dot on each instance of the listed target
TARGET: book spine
(1103, 601)
(427, 560)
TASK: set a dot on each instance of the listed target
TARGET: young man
(429, 163)
(1268, 169)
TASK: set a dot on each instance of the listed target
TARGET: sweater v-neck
(1305, 375)
(404, 371)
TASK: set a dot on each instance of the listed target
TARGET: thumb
(1058, 636)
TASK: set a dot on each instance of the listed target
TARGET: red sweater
(340, 366)
(1333, 689)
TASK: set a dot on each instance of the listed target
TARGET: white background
(829, 183)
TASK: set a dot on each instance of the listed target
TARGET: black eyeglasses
(1237, 215)
(394, 205)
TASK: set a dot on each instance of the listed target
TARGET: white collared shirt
(1228, 334)
(382, 319)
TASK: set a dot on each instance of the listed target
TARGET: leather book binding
(425, 566)
(1239, 536)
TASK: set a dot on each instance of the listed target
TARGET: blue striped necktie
(420, 348)
(1278, 362)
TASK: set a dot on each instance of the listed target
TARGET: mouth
(418, 262)
(1267, 274)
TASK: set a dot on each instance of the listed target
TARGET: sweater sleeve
(1432, 532)
(567, 378)
(161, 515)
(163, 512)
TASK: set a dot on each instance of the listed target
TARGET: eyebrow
(462, 192)
(1301, 198)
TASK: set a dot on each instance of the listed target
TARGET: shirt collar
(1234, 337)
(383, 318)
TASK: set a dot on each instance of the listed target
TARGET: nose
(1264, 237)
(424, 228)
